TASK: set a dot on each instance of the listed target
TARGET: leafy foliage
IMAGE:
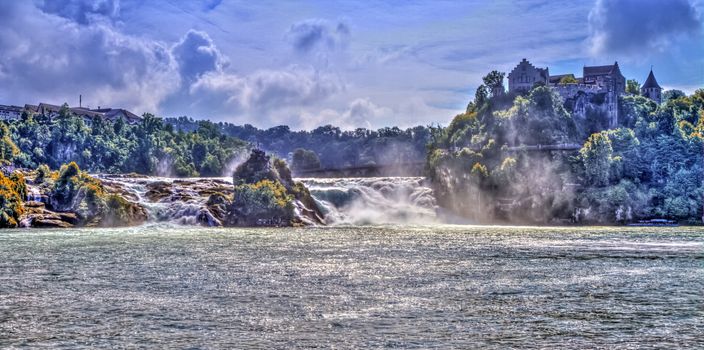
(335, 148)
(12, 193)
(632, 87)
(150, 147)
(568, 79)
(304, 159)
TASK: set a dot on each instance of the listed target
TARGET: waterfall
(344, 201)
(381, 200)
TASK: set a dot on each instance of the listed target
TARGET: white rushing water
(378, 200)
(344, 201)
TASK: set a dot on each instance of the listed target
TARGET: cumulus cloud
(637, 26)
(54, 58)
(196, 55)
(360, 113)
(318, 34)
(264, 91)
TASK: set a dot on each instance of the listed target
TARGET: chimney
(80, 101)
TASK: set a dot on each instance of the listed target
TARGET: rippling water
(402, 287)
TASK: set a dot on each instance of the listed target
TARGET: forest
(387, 146)
(150, 147)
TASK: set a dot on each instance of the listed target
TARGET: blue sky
(310, 63)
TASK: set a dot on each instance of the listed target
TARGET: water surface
(352, 287)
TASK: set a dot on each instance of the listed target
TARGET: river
(386, 272)
(398, 286)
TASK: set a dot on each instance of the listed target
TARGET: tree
(495, 82)
(304, 159)
(632, 87)
(8, 149)
(480, 96)
(596, 156)
(64, 112)
(672, 95)
(568, 79)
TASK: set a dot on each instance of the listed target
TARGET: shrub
(11, 207)
(264, 200)
(43, 172)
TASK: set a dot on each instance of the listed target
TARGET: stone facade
(606, 80)
(524, 77)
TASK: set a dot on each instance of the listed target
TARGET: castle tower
(651, 89)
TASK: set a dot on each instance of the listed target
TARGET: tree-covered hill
(334, 147)
(650, 166)
(150, 147)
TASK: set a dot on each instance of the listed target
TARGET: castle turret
(651, 89)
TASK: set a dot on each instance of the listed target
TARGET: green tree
(495, 82)
(672, 95)
(568, 79)
(8, 149)
(597, 159)
(632, 87)
(304, 159)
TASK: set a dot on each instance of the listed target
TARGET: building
(10, 112)
(52, 111)
(525, 76)
(611, 82)
(606, 81)
(651, 89)
(608, 77)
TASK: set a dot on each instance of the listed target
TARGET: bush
(265, 200)
(11, 200)
(43, 173)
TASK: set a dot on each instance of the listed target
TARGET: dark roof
(651, 82)
(11, 108)
(85, 112)
(49, 107)
(116, 112)
(598, 70)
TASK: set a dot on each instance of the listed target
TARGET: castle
(607, 82)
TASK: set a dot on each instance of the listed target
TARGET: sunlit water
(356, 287)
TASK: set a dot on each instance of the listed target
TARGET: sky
(310, 63)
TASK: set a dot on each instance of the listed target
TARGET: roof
(49, 107)
(651, 82)
(600, 70)
(116, 112)
(85, 112)
(11, 108)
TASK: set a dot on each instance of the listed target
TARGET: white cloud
(363, 113)
(265, 93)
